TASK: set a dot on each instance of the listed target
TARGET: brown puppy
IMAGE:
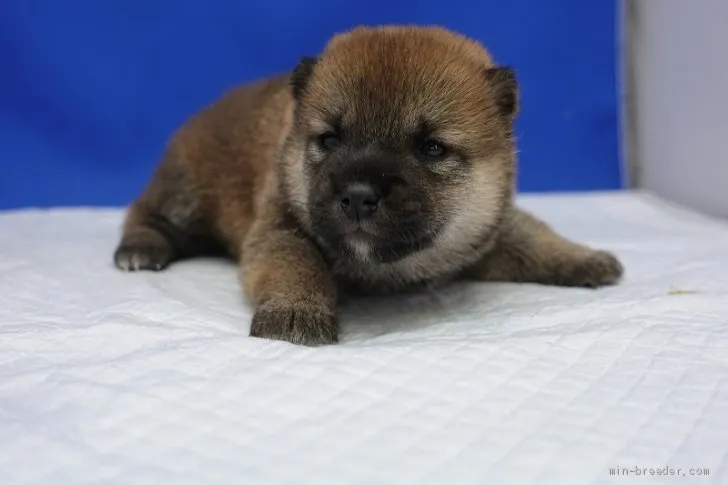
(386, 163)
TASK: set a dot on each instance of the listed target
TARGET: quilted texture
(145, 378)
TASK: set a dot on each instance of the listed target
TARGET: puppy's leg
(163, 225)
(291, 287)
(529, 251)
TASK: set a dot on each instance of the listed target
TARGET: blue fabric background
(90, 89)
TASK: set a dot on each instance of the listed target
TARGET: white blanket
(150, 378)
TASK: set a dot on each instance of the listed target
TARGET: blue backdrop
(90, 89)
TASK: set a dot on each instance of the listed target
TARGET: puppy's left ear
(301, 74)
(504, 86)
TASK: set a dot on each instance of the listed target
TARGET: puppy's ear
(301, 74)
(504, 86)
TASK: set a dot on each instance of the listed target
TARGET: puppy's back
(226, 153)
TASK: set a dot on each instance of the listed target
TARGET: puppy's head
(402, 140)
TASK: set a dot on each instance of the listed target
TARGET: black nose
(359, 201)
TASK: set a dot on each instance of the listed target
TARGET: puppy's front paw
(594, 269)
(149, 255)
(299, 323)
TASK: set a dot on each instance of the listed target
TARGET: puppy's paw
(299, 323)
(153, 256)
(594, 269)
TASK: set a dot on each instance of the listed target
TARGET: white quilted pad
(135, 379)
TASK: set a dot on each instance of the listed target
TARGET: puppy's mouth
(359, 239)
(360, 229)
(364, 244)
(373, 240)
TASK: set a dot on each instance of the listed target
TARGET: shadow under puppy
(386, 163)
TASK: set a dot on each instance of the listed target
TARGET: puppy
(386, 163)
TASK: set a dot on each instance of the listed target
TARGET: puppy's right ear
(301, 74)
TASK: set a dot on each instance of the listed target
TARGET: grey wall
(678, 100)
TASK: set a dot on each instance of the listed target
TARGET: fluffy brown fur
(385, 163)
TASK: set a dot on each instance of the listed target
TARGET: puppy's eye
(329, 141)
(433, 149)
